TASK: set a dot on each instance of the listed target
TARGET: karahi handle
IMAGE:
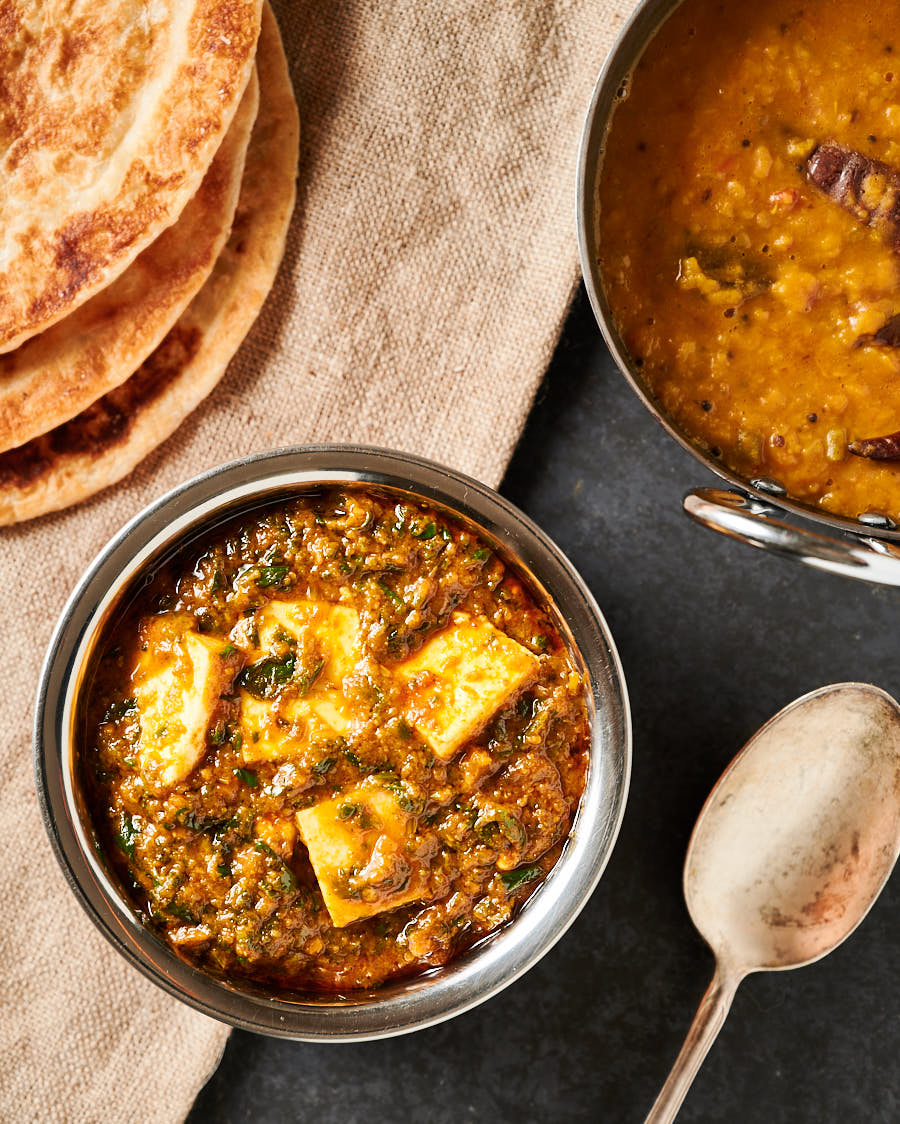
(749, 521)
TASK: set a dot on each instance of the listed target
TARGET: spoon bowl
(791, 849)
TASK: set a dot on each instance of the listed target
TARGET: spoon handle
(714, 1006)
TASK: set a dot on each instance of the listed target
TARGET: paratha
(107, 440)
(55, 375)
(110, 113)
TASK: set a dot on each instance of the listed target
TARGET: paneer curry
(336, 741)
(749, 240)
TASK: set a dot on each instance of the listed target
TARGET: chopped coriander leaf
(352, 758)
(392, 594)
(127, 836)
(542, 712)
(305, 682)
(181, 912)
(515, 879)
(224, 870)
(481, 555)
(427, 532)
(218, 581)
(247, 777)
(511, 828)
(273, 575)
(393, 784)
(227, 651)
(116, 711)
(322, 767)
(194, 822)
(347, 811)
(286, 879)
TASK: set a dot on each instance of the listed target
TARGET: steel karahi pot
(750, 510)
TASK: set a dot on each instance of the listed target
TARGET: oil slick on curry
(334, 743)
(749, 233)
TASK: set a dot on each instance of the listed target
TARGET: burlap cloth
(429, 268)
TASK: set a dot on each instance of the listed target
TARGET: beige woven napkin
(429, 267)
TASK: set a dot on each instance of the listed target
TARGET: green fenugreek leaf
(127, 836)
(515, 879)
(391, 594)
(266, 677)
(273, 575)
(116, 711)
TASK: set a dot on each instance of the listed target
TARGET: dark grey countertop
(714, 639)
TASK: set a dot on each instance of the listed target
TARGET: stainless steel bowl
(399, 1007)
(750, 511)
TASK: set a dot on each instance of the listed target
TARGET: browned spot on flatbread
(71, 257)
(223, 31)
(107, 422)
(72, 45)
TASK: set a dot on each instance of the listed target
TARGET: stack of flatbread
(148, 157)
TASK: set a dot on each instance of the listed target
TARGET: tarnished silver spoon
(790, 850)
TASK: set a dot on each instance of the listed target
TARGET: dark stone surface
(714, 638)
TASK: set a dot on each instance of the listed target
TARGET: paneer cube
(357, 847)
(177, 685)
(460, 679)
(318, 643)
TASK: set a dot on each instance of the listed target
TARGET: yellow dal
(702, 192)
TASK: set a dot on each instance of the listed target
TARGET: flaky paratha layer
(106, 441)
(57, 374)
(110, 113)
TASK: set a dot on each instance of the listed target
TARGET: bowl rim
(644, 22)
(495, 962)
